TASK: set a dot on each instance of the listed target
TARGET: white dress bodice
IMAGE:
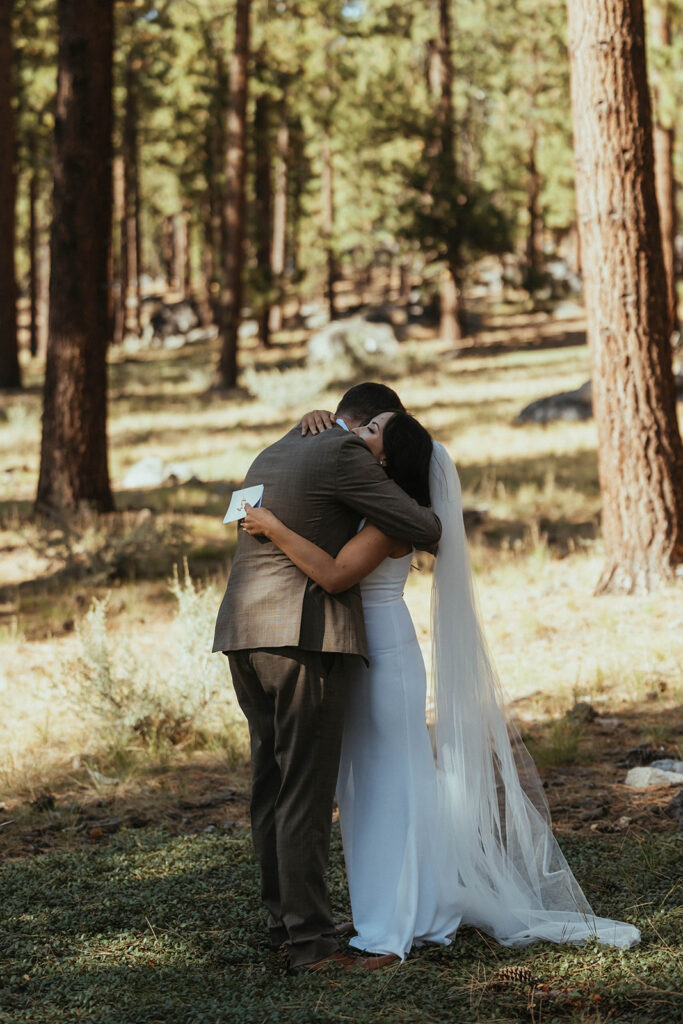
(386, 582)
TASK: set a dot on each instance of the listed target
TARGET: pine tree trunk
(33, 252)
(167, 251)
(262, 228)
(10, 373)
(443, 174)
(665, 182)
(43, 296)
(640, 455)
(234, 206)
(449, 326)
(180, 254)
(131, 205)
(328, 220)
(119, 262)
(533, 233)
(73, 465)
(277, 258)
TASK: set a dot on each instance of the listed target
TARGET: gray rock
(355, 337)
(173, 319)
(646, 777)
(567, 405)
(247, 329)
(147, 472)
(667, 764)
(674, 809)
(172, 341)
(152, 471)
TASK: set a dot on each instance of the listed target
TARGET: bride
(447, 824)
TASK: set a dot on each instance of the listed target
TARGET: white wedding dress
(450, 827)
(386, 789)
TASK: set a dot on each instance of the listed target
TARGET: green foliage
(358, 71)
(179, 697)
(154, 928)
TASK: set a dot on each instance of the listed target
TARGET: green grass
(153, 928)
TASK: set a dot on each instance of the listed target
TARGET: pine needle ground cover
(154, 928)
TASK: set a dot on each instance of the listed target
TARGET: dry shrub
(132, 697)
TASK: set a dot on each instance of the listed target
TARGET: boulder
(667, 764)
(646, 777)
(567, 405)
(356, 337)
(152, 471)
(173, 319)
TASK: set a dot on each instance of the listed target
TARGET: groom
(290, 647)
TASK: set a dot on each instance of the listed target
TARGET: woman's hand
(317, 421)
(259, 521)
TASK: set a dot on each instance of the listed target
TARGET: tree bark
(43, 296)
(443, 173)
(33, 251)
(262, 190)
(640, 454)
(234, 205)
(167, 250)
(10, 373)
(277, 257)
(119, 257)
(180, 254)
(665, 182)
(328, 220)
(131, 249)
(73, 465)
(533, 233)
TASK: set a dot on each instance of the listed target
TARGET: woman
(454, 827)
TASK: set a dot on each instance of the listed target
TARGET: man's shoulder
(334, 437)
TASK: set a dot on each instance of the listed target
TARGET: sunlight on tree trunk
(277, 257)
(664, 146)
(73, 463)
(262, 210)
(234, 205)
(640, 454)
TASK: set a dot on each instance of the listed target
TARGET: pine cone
(519, 978)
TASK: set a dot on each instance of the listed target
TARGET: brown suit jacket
(320, 486)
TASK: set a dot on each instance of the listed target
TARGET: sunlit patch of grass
(537, 553)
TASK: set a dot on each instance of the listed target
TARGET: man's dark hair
(363, 401)
(408, 452)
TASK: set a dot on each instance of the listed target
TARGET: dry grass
(537, 554)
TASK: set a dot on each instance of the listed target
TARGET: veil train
(505, 867)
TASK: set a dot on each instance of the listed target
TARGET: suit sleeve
(364, 486)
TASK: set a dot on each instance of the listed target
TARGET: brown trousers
(294, 703)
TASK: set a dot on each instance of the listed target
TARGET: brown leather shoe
(373, 961)
(336, 959)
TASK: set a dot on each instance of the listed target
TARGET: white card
(247, 496)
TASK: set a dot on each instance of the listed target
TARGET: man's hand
(258, 522)
(317, 421)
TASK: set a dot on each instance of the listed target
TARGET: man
(290, 647)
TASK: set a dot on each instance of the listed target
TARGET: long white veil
(512, 879)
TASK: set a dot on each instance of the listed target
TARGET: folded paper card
(247, 496)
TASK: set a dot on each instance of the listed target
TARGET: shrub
(132, 696)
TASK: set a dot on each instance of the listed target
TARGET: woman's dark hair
(408, 451)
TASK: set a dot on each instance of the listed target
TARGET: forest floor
(159, 790)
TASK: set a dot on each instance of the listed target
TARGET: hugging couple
(441, 825)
